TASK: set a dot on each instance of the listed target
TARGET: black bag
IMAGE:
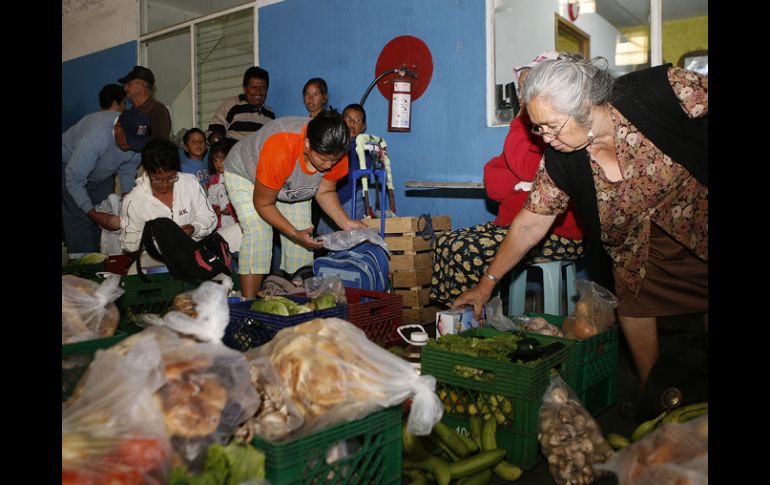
(185, 258)
(678, 378)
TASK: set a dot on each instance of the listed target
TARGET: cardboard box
(456, 321)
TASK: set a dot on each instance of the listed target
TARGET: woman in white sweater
(164, 192)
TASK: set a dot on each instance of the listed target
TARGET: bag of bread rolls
(87, 308)
(114, 429)
(333, 373)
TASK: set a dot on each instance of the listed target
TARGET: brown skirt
(676, 281)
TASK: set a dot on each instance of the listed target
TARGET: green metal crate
(76, 358)
(377, 460)
(153, 296)
(513, 392)
(597, 365)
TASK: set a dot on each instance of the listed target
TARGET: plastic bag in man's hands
(594, 312)
(110, 240)
(203, 313)
(325, 285)
(333, 373)
(569, 436)
(341, 240)
(114, 428)
(87, 308)
(495, 317)
(673, 453)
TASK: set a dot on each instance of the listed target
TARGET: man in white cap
(138, 85)
(93, 151)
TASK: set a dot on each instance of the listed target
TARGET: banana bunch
(679, 415)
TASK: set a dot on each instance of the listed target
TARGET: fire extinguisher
(400, 111)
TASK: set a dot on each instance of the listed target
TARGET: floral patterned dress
(653, 189)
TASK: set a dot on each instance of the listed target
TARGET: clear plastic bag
(110, 240)
(673, 453)
(276, 417)
(333, 373)
(594, 312)
(320, 285)
(495, 317)
(205, 392)
(203, 313)
(114, 429)
(87, 308)
(341, 240)
(570, 438)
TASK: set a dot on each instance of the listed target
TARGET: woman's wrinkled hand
(475, 297)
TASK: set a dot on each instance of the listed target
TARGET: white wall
(88, 26)
(523, 29)
(604, 36)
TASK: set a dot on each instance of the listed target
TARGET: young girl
(217, 193)
(194, 157)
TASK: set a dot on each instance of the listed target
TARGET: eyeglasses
(160, 180)
(539, 129)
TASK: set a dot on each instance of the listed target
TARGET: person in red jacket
(462, 256)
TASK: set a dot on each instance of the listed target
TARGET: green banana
(617, 441)
(412, 445)
(646, 427)
(686, 413)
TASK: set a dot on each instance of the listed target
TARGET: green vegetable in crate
(90, 258)
(324, 301)
(270, 306)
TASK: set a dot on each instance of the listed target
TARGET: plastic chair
(553, 277)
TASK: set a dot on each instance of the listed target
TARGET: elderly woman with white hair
(632, 154)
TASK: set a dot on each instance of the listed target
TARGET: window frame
(192, 27)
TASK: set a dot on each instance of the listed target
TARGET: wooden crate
(415, 297)
(420, 315)
(412, 224)
(404, 260)
(412, 277)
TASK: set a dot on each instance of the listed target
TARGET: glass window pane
(169, 59)
(159, 14)
(685, 34)
(224, 50)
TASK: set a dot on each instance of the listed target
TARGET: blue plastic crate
(248, 329)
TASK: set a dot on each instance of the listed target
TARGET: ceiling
(630, 13)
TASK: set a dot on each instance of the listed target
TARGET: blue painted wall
(340, 41)
(83, 77)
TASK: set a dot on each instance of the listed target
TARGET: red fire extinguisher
(400, 111)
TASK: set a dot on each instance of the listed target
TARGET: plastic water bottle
(417, 340)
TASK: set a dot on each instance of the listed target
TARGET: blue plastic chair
(554, 280)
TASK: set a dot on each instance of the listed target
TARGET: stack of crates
(511, 392)
(373, 453)
(411, 262)
(597, 365)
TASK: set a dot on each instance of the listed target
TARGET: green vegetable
(90, 258)
(497, 347)
(225, 465)
(270, 306)
(324, 301)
